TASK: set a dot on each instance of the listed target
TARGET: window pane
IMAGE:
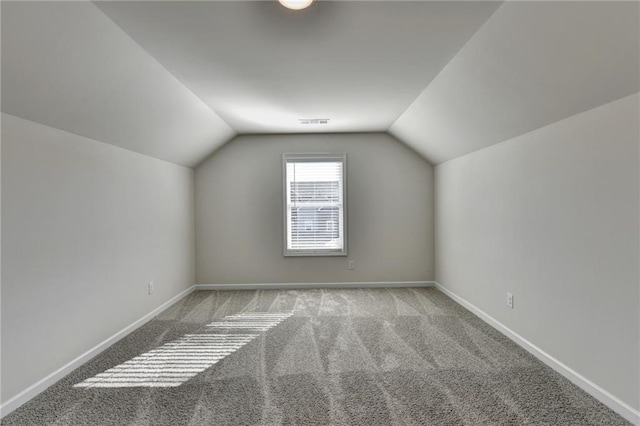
(314, 205)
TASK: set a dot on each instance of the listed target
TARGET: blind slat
(314, 205)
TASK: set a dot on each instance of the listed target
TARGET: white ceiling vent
(314, 121)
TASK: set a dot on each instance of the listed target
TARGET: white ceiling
(531, 64)
(66, 65)
(262, 67)
(176, 80)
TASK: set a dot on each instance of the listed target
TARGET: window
(315, 204)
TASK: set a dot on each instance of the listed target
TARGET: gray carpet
(303, 357)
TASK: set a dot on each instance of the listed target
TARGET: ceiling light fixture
(296, 4)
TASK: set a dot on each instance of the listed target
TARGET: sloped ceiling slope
(531, 64)
(262, 67)
(66, 65)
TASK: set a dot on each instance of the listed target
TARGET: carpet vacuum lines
(174, 363)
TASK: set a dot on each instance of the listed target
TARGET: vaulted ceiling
(176, 80)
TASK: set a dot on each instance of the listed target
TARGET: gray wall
(239, 212)
(85, 226)
(552, 216)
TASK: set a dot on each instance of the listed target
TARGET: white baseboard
(620, 407)
(52, 378)
(286, 286)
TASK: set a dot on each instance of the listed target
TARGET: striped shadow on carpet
(323, 356)
(176, 362)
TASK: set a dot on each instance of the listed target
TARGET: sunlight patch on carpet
(174, 363)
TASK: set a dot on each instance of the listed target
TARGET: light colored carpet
(303, 357)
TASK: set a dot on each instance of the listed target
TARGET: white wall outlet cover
(150, 287)
(510, 300)
(352, 264)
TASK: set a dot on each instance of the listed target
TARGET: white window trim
(314, 157)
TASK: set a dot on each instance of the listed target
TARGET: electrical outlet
(352, 264)
(510, 300)
(150, 287)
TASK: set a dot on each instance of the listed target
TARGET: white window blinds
(315, 204)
